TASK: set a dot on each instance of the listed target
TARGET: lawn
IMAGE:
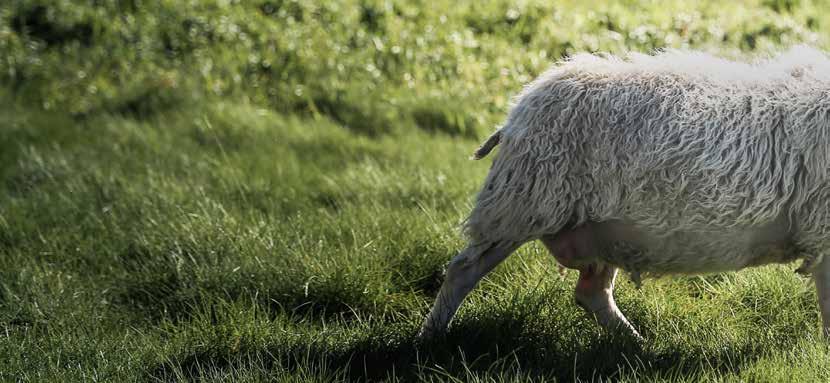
(269, 191)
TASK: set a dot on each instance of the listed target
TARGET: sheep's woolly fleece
(673, 142)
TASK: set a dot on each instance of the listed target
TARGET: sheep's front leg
(595, 293)
(822, 277)
(463, 273)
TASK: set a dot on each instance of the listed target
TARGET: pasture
(269, 191)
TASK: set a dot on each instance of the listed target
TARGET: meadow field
(228, 190)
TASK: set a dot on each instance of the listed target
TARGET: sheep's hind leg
(463, 273)
(577, 248)
(595, 293)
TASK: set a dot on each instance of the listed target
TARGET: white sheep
(678, 162)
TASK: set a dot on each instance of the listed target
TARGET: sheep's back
(670, 150)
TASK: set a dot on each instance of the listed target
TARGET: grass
(269, 190)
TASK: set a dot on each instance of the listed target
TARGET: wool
(682, 145)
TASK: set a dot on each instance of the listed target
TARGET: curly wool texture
(677, 142)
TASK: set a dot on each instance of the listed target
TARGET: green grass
(269, 190)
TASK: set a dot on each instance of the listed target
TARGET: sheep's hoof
(638, 338)
(423, 339)
(426, 334)
(809, 264)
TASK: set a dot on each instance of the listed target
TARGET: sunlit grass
(269, 191)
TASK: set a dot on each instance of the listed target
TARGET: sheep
(677, 162)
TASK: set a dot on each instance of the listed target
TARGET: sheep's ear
(487, 146)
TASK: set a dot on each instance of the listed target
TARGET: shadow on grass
(500, 346)
(519, 334)
(36, 22)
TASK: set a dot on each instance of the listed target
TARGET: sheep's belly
(694, 252)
